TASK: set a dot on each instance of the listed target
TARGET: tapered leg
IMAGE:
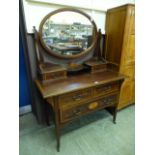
(46, 109)
(113, 112)
(114, 115)
(58, 138)
(57, 124)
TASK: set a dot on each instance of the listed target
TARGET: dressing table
(73, 78)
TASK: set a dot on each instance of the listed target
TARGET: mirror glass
(67, 33)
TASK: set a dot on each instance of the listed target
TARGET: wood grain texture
(95, 88)
(120, 48)
(115, 21)
(86, 108)
(78, 82)
(80, 95)
(127, 93)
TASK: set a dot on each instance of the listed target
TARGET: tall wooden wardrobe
(120, 48)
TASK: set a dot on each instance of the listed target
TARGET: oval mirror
(68, 33)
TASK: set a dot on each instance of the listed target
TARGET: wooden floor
(99, 137)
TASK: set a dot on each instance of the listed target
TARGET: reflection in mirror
(67, 33)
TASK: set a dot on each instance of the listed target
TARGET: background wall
(24, 90)
(35, 10)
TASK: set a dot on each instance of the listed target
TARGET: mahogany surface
(74, 93)
(79, 95)
(77, 82)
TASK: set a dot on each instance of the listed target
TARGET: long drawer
(75, 97)
(76, 111)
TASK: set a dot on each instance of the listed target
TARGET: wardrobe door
(115, 21)
(132, 20)
(127, 93)
(130, 51)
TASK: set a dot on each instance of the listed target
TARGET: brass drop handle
(54, 76)
(105, 101)
(108, 87)
(105, 88)
(108, 100)
(77, 111)
(77, 97)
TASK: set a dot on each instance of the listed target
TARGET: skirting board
(25, 109)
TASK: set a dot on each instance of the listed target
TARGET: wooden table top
(77, 82)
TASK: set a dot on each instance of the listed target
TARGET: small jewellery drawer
(67, 114)
(104, 89)
(54, 75)
(75, 97)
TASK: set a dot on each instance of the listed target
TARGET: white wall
(35, 10)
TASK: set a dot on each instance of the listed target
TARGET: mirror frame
(83, 53)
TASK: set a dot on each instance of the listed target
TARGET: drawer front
(98, 68)
(74, 112)
(104, 89)
(75, 97)
(54, 75)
